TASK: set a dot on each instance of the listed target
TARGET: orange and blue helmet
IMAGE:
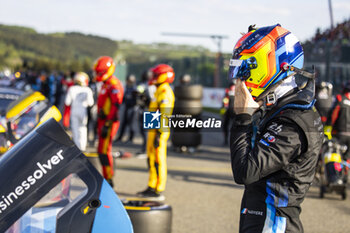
(262, 56)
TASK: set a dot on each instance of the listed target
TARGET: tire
(191, 92)
(190, 107)
(149, 216)
(190, 139)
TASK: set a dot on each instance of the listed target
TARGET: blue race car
(48, 185)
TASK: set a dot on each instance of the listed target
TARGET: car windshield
(41, 218)
(4, 103)
(3, 143)
(28, 120)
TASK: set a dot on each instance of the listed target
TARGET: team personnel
(163, 102)
(143, 99)
(338, 121)
(79, 98)
(129, 102)
(109, 99)
(278, 167)
(227, 108)
(324, 99)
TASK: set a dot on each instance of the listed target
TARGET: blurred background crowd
(24, 65)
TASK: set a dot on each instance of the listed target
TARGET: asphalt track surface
(204, 197)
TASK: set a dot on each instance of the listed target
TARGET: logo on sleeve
(275, 128)
(269, 137)
(254, 212)
(262, 141)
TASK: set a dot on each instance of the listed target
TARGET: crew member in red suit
(109, 99)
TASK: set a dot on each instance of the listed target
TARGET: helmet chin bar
(286, 67)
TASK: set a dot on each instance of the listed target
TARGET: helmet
(185, 78)
(81, 79)
(104, 68)
(131, 78)
(262, 58)
(323, 85)
(162, 73)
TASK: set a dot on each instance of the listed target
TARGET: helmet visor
(235, 65)
(241, 68)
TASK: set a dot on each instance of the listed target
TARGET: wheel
(191, 92)
(190, 107)
(149, 216)
(188, 139)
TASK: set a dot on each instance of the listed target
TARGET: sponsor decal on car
(42, 169)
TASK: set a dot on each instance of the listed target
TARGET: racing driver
(277, 133)
(109, 99)
(162, 103)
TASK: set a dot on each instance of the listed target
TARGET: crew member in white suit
(79, 98)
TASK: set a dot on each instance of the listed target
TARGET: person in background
(59, 91)
(92, 116)
(324, 99)
(227, 109)
(162, 104)
(44, 84)
(33, 80)
(129, 102)
(338, 120)
(143, 99)
(52, 84)
(79, 98)
(185, 80)
(67, 82)
(279, 167)
(109, 99)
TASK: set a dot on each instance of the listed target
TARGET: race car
(8, 95)
(28, 112)
(4, 143)
(38, 177)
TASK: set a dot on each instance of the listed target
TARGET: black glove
(104, 130)
(156, 140)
